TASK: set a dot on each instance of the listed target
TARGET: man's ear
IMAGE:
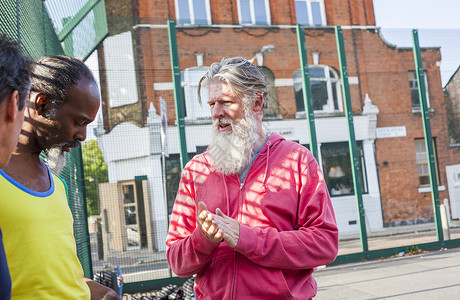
(258, 103)
(12, 106)
(41, 102)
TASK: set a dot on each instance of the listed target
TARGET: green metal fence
(166, 58)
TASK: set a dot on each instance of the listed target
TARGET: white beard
(231, 152)
(55, 159)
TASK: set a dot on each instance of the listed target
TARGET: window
(194, 12)
(422, 162)
(310, 12)
(193, 109)
(337, 168)
(254, 12)
(325, 89)
(413, 84)
(121, 70)
(173, 173)
(130, 212)
(273, 108)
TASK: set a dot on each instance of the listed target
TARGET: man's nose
(217, 111)
(81, 134)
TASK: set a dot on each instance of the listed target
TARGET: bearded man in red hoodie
(252, 217)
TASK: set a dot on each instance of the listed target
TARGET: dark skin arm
(101, 292)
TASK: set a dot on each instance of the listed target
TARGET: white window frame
(329, 80)
(414, 80)
(190, 84)
(310, 12)
(253, 15)
(192, 13)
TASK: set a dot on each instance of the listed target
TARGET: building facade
(135, 67)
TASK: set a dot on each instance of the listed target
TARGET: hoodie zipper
(241, 204)
(236, 253)
(234, 276)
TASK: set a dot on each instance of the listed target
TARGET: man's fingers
(212, 229)
(219, 234)
(219, 212)
(202, 206)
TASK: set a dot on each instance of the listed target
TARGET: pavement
(431, 275)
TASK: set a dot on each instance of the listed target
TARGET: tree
(95, 171)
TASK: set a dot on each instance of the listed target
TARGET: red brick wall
(349, 12)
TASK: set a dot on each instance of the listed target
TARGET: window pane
(317, 73)
(413, 85)
(425, 169)
(316, 12)
(184, 12)
(260, 12)
(173, 172)
(422, 162)
(299, 97)
(332, 75)
(337, 168)
(334, 95)
(130, 215)
(184, 107)
(415, 98)
(199, 8)
(413, 89)
(301, 12)
(319, 94)
(419, 169)
(245, 12)
(424, 180)
(128, 194)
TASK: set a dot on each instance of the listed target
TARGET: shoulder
(197, 166)
(199, 161)
(59, 183)
(278, 143)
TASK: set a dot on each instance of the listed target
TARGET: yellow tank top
(39, 243)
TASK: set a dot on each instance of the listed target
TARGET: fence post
(307, 97)
(427, 132)
(80, 180)
(351, 139)
(178, 97)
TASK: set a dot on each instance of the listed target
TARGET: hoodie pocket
(255, 282)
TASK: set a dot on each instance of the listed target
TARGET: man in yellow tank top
(14, 87)
(34, 215)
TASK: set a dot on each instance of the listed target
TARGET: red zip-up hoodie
(287, 226)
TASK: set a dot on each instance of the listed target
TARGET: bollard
(444, 222)
(446, 203)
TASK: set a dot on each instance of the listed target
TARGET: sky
(438, 23)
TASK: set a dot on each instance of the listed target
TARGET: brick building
(136, 73)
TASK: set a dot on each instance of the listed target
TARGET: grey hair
(245, 79)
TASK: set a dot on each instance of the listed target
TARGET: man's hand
(101, 292)
(208, 227)
(230, 228)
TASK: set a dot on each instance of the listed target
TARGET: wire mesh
(388, 128)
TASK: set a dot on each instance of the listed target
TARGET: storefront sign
(390, 132)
